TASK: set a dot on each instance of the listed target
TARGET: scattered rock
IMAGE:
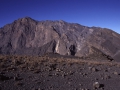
(94, 69)
(64, 75)
(97, 85)
(102, 78)
(116, 73)
(90, 68)
(80, 84)
(39, 89)
(58, 70)
(56, 74)
(107, 77)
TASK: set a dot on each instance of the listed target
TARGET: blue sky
(99, 13)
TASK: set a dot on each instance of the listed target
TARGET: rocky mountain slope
(26, 36)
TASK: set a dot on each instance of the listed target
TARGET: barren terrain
(55, 72)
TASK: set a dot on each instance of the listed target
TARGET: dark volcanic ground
(58, 73)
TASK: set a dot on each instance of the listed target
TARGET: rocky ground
(58, 73)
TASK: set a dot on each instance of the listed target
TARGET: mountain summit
(26, 36)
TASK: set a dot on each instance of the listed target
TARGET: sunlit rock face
(26, 36)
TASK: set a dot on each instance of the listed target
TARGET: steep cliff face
(29, 37)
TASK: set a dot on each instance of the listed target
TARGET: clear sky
(99, 13)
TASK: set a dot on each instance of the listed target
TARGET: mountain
(26, 36)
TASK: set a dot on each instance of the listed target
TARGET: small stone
(39, 89)
(82, 89)
(102, 78)
(116, 73)
(58, 70)
(56, 74)
(109, 68)
(80, 73)
(69, 82)
(94, 70)
(89, 68)
(86, 89)
(96, 85)
(84, 74)
(80, 84)
(71, 73)
(107, 77)
(64, 75)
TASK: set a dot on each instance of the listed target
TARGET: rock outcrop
(26, 36)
